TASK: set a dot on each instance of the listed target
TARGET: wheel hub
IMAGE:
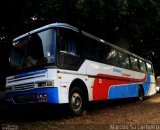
(76, 101)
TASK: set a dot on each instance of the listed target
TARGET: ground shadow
(32, 113)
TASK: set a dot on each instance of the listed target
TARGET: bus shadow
(96, 106)
(34, 113)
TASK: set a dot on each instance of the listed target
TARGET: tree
(134, 21)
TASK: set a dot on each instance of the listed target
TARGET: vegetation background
(131, 24)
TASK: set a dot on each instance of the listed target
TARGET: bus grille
(23, 87)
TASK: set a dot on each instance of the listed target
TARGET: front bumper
(38, 95)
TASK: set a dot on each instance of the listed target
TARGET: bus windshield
(33, 50)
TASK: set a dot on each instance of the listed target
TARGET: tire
(140, 94)
(76, 101)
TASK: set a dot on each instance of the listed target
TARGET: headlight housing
(44, 84)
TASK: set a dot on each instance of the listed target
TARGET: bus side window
(69, 56)
(100, 51)
(149, 68)
(90, 48)
(112, 56)
(134, 63)
(142, 65)
(124, 60)
(94, 49)
(69, 44)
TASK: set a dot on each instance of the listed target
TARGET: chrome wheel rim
(76, 101)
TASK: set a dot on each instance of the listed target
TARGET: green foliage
(136, 21)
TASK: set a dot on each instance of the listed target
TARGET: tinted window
(112, 57)
(124, 60)
(40, 48)
(149, 68)
(94, 49)
(69, 43)
(69, 49)
(142, 65)
(134, 63)
(36, 49)
(90, 47)
(48, 39)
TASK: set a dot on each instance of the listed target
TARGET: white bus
(59, 64)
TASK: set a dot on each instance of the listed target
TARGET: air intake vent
(21, 87)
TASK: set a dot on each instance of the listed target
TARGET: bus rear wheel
(76, 101)
(140, 94)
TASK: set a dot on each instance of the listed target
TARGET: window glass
(100, 51)
(69, 56)
(112, 57)
(94, 49)
(134, 63)
(40, 48)
(124, 60)
(149, 68)
(36, 49)
(142, 65)
(69, 44)
(90, 47)
(48, 39)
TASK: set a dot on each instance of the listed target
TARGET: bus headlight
(45, 84)
(49, 83)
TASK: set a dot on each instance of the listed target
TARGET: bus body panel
(102, 82)
(27, 84)
(66, 78)
(112, 82)
(101, 79)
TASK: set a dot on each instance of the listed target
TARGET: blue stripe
(31, 73)
(129, 90)
(147, 85)
(123, 91)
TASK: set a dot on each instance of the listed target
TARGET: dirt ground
(113, 115)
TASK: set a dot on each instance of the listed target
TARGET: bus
(61, 64)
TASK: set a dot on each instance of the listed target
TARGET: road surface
(116, 114)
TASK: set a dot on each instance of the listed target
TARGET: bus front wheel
(76, 101)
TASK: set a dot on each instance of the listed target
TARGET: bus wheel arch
(140, 93)
(78, 97)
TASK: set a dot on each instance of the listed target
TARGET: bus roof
(53, 25)
(67, 26)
